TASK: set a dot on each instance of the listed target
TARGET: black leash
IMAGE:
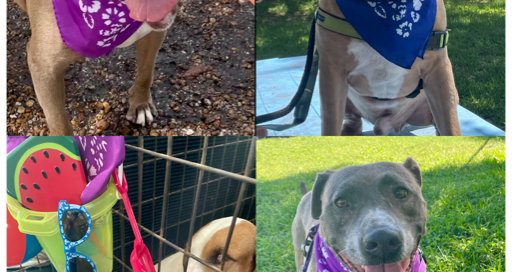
(309, 242)
(302, 99)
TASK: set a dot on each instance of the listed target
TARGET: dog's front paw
(142, 113)
(142, 110)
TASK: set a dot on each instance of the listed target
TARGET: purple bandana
(326, 261)
(93, 28)
(100, 155)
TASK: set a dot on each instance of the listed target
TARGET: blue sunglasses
(75, 226)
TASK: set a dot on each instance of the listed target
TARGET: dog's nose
(383, 243)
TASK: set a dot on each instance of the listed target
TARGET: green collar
(438, 39)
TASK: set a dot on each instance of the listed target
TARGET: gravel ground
(211, 39)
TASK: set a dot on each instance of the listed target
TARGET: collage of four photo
(214, 135)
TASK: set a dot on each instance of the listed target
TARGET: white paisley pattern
(114, 19)
(398, 11)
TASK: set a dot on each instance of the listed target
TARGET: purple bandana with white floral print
(326, 261)
(93, 28)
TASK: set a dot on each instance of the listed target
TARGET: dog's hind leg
(353, 124)
(142, 108)
(48, 58)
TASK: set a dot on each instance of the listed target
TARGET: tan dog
(346, 90)
(48, 58)
(208, 244)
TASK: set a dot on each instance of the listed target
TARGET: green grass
(476, 47)
(464, 189)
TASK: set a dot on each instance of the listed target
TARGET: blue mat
(277, 81)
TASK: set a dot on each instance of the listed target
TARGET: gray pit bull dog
(371, 216)
(353, 72)
(48, 57)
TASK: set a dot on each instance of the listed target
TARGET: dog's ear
(414, 168)
(318, 188)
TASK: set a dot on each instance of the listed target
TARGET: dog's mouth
(151, 11)
(402, 266)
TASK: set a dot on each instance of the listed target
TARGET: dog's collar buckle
(308, 242)
(305, 246)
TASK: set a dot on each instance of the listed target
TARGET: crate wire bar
(222, 166)
(40, 265)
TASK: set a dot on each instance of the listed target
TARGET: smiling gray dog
(370, 215)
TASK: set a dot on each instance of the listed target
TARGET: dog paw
(142, 113)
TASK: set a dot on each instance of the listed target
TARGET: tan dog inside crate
(208, 244)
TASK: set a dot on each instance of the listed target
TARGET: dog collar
(326, 260)
(93, 28)
(399, 30)
(438, 39)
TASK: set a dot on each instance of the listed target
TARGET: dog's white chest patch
(143, 30)
(384, 77)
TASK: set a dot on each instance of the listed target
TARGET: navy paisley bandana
(399, 30)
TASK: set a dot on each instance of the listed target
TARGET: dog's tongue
(395, 267)
(150, 10)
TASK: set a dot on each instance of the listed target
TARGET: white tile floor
(277, 81)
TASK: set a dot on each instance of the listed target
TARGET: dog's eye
(401, 193)
(218, 260)
(341, 203)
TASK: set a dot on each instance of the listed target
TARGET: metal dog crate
(163, 175)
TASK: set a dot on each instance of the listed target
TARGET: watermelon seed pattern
(44, 173)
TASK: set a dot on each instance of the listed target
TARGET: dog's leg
(353, 124)
(22, 4)
(142, 108)
(333, 80)
(48, 58)
(333, 97)
(441, 93)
